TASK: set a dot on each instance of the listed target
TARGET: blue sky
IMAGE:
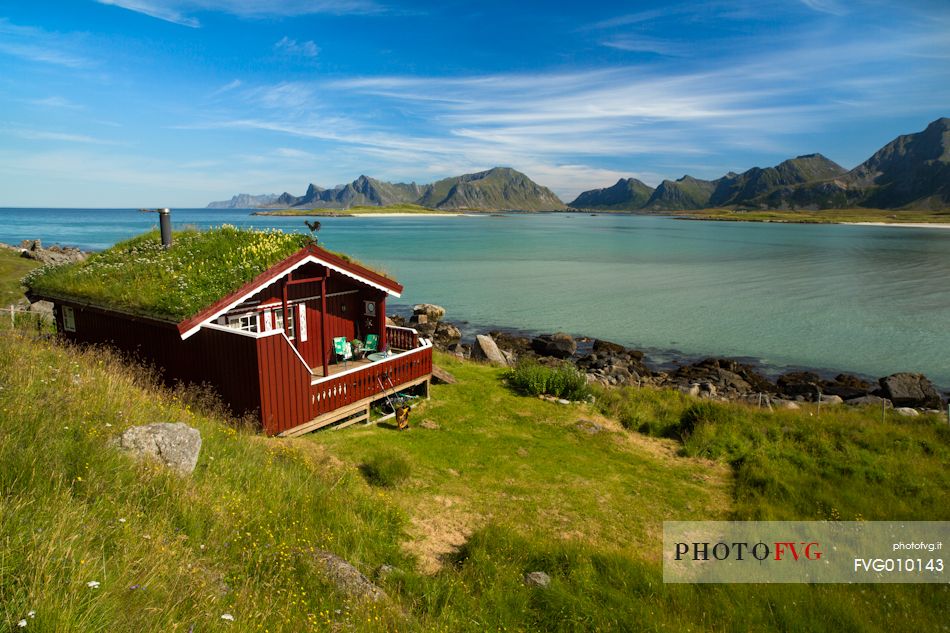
(126, 103)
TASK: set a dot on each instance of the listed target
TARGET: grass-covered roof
(139, 276)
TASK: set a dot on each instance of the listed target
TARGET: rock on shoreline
(53, 256)
(611, 364)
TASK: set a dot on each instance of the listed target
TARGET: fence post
(12, 316)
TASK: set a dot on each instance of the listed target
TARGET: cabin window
(244, 322)
(279, 322)
(69, 319)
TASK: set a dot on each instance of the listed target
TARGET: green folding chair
(372, 341)
(342, 349)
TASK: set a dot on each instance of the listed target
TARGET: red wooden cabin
(258, 358)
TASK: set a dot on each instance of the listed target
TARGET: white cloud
(646, 44)
(37, 45)
(56, 102)
(295, 154)
(286, 95)
(159, 10)
(295, 48)
(825, 6)
(228, 87)
(64, 137)
(180, 11)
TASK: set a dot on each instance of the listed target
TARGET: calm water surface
(872, 300)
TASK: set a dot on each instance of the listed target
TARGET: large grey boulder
(446, 334)
(175, 445)
(485, 349)
(432, 312)
(347, 579)
(558, 345)
(910, 390)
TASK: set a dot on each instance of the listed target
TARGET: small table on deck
(378, 356)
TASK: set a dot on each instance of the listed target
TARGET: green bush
(386, 469)
(534, 379)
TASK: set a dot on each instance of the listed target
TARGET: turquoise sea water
(872, 300)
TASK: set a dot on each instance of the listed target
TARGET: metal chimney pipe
(165, 222)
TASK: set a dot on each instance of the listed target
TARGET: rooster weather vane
(314, 227)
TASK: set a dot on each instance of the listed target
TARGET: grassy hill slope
(504, 486)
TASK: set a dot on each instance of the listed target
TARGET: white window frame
(245, 321)
(279, 321)
(69, 319)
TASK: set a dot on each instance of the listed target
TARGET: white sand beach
(411, 215)
(908, 225)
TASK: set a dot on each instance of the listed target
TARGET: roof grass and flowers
(141, 277)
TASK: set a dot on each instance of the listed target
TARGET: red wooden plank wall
(226, 361)
(284, 385)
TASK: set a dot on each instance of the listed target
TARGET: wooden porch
(346, 395)
(400, 340)
(339, 368)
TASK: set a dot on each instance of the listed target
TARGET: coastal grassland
(509, 484)
(396, 209)
(12, 269)
(824, 216)
(839, 463)
(552, 471)
(169, 553)
(505, 485)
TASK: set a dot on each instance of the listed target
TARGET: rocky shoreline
(54, 255)
(723, 379)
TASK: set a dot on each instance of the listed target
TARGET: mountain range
(912, 171)
(501, 188)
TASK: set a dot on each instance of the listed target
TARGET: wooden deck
(339, 368)
(347, 393)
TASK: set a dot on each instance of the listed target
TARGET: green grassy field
(12, 269)
(825, 216)
(505, 485)
(356, 210)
